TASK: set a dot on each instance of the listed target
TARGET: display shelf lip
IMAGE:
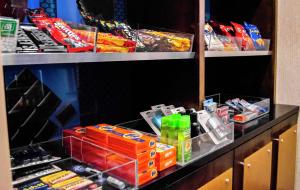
(236, 53)
(10, 59)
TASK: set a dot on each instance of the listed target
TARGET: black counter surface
(243, 133)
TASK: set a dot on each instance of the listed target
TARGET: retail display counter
(249, 138)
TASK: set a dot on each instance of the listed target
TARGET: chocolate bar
(25, 44)
(35, 173)
(31, 156)
(42, 40)
(63, 33)
(36, 185)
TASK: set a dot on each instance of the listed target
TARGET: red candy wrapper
(63, 34)
(242, 38)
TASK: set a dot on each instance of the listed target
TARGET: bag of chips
(212, 42)
(229, 33)
(243, 40)
(227, 40)
(255, 35)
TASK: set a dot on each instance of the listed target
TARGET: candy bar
(36, 185)
(63, 34)
(65, 182)
(25, 44)
(77, 184)
(165, 41)
(58, 177)
(42, 40)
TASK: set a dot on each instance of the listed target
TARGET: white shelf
(236, 53)
(10, 59)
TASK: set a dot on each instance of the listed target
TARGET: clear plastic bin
(164, 41)
(106, 167)
(215, 42)
(263, 103)
(87, 33)
(202, 145)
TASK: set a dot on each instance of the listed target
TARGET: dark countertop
(243, 133)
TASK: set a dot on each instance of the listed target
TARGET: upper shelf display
(47, 34)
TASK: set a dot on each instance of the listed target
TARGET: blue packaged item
(255, 35)
(210, 105)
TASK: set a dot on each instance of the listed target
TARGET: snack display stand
(116, 87)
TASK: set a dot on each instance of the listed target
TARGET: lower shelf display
(80, 168)
(119, 156)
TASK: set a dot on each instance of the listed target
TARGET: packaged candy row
(146, 40)
(233, 37)
(55, 35)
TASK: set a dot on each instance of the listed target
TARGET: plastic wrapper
(123, 30)
(60, 31)
(127, 32)
(166, 41)
(64, 34)
(224, 36)
(255, 35)
(212, 41)
(108, 43)
(243, 40)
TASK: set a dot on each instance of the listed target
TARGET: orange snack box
(165, 152)
(115, 160)
(126, 140)
(99, 133)
(144, 166)
(162, 165)
(141, 157)
(147, 176)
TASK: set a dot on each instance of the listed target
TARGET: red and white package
(243, 39)
(63, 33)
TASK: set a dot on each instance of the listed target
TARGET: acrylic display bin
(70, 153)
(87, 33)
(201, 145)
(215, 42)
(162, 40)
(263, 103)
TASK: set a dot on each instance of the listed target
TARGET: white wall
(288, 60)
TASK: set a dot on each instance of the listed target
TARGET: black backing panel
(118, 92)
